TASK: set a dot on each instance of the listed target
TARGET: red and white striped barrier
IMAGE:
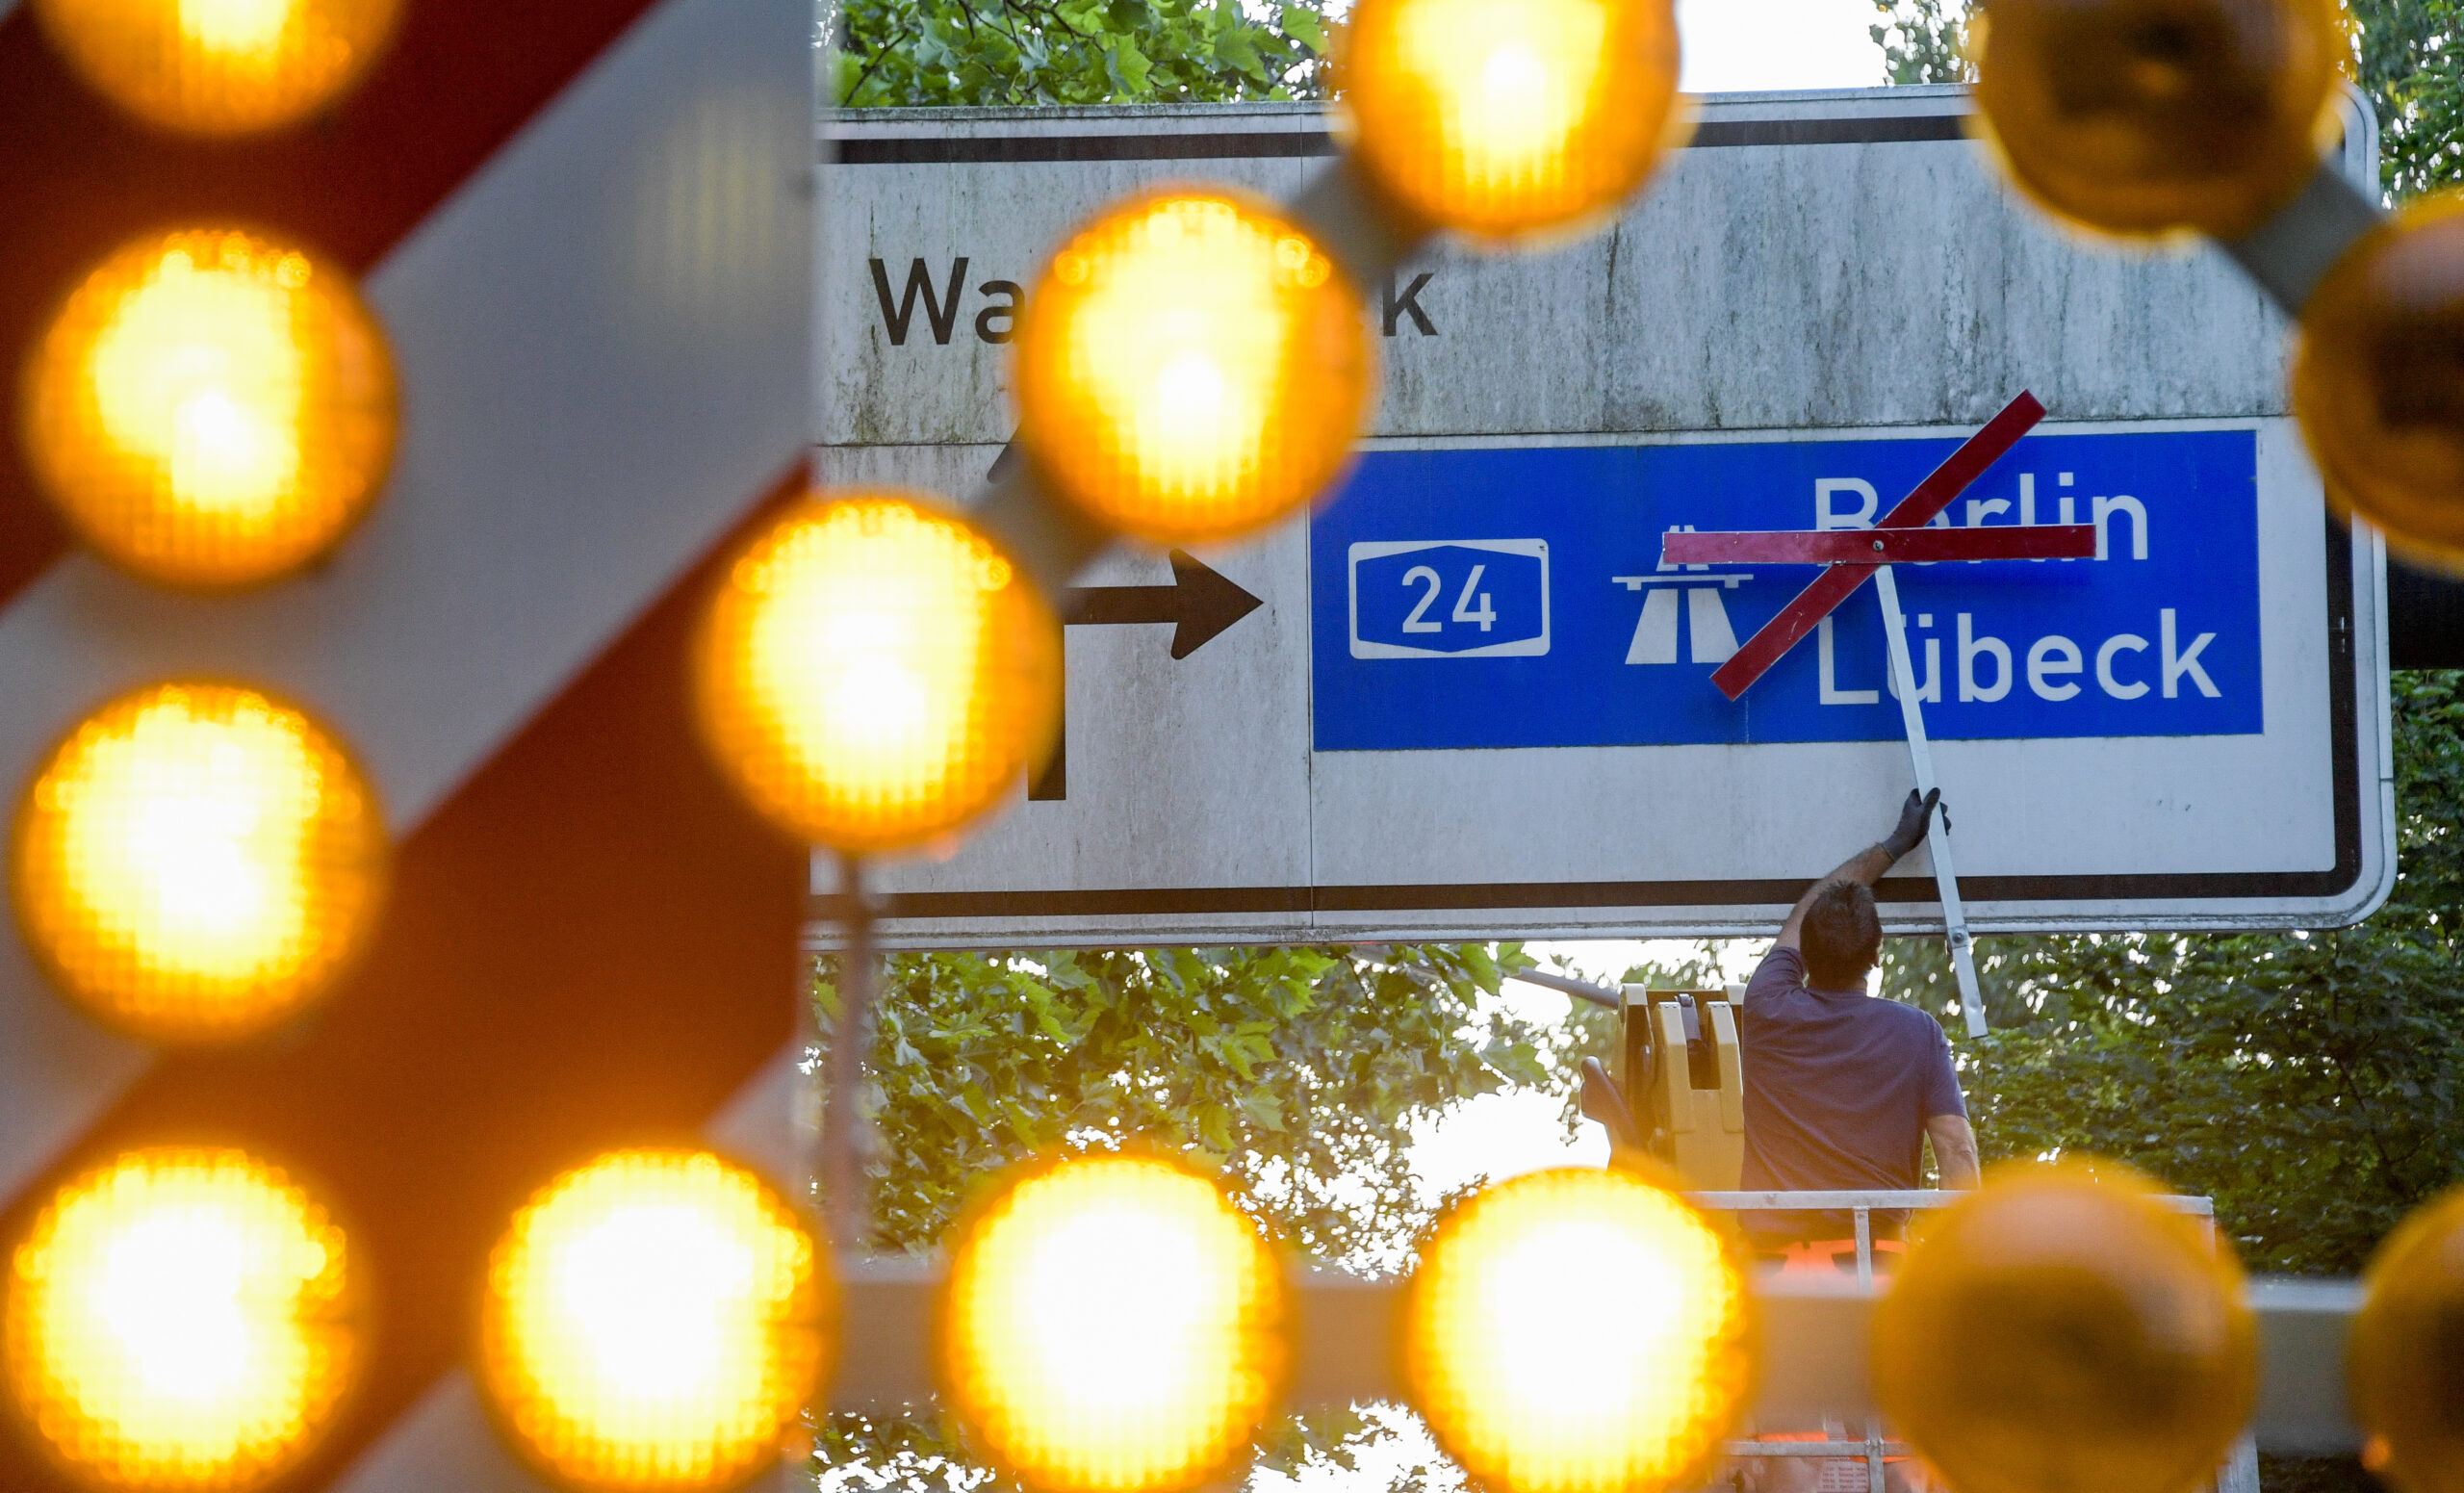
(586, 225)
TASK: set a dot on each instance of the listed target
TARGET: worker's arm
(1868, 865)
(1953, 1150)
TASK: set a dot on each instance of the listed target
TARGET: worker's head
(1841, 937)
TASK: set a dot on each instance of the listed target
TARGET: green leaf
(1263, 1110)
(1302, 24)
(905, 52)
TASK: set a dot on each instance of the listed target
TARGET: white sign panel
(1470, 698)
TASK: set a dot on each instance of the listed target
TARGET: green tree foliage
(2308, 1082)
(1296, 1071)
(2312, 1083)
(2405, 59)
(914, 52)
(1921, 40)
(1296, 1074)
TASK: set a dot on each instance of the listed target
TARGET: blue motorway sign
(1515, 596)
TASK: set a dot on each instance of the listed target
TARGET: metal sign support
(846, 1131)
(1920, 759)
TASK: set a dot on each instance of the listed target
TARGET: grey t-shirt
(1839, 1086)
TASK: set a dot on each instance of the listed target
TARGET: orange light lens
(219, 66)
(1505, 117)
(873, 674)
(1113, 1325)
(2147, 117)
(198, 863)
(2407, 1344)
(183, 1319)
(1193, 367)
(2379, 382)
(1575, 1331)
(2062, 1328)
(654, 1322)
(210, 407)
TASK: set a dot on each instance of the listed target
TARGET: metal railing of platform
(2239, 1474)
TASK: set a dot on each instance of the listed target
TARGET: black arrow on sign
(1199, 604)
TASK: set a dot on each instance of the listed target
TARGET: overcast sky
(1735, 45)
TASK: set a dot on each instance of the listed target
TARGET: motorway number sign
(1477, 696)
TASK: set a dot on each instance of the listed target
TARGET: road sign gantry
(1342, 767)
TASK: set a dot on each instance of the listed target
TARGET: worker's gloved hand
(1915, 816)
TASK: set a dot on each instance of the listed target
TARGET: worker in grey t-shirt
(1842, 1092)
(1842, 1089)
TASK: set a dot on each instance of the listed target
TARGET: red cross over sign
(1851, 556)
(1848, 558)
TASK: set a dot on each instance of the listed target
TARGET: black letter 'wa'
(942, 313)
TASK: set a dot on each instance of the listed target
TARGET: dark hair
(1841, 937)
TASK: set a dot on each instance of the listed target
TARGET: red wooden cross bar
(1840, 581)
(1882, 546)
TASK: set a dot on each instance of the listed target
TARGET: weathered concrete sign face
(1474, 703)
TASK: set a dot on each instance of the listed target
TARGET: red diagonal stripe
(592, 944)
(76, 176)
(1836, 584)
(1880, 546)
